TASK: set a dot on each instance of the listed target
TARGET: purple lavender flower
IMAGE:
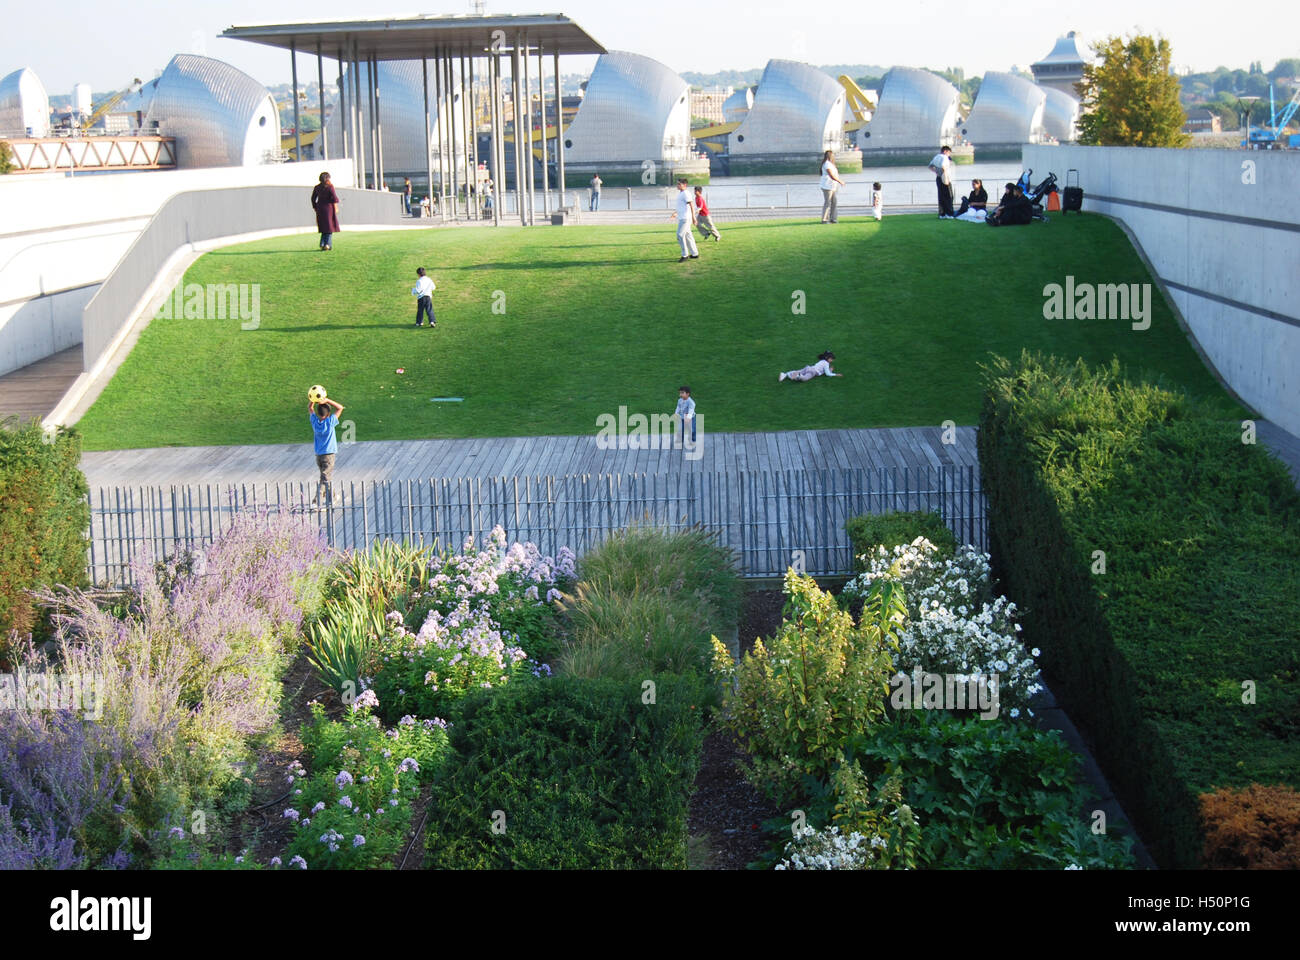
(358, 841)
(298, 862)
(291, 814)
(343, 779)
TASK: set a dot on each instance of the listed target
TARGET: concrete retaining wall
(1222, 231)
(60, 234)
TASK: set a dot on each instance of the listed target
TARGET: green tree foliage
(1130, 98)
(6, 158)
(43, 519)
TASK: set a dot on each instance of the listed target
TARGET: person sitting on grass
(323, 421)
(977, 199)
(822, 368)
(1015, 210)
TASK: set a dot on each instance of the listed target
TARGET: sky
(106, 44)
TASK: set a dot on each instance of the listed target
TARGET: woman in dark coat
(325, 201)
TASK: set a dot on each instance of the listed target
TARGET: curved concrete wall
(61, 236)
(1222, 231)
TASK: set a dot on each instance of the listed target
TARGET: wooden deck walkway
(33, 391)
(913, 447)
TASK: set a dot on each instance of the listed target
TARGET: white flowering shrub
(954, 623)
(828, 849)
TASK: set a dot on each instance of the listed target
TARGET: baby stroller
(1036, 194)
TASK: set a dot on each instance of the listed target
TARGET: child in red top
(703, 219)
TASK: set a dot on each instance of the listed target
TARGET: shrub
(425, 673)
(648, 602)
(653, 560)
(954, 623)
(897, 528)
(989, 794)
(185, 680)
(352, 809)
(798, 699)
(632, 636)
(43, 520)
(1255, 828)
(569, 774)
(423, 629)
(1150, 656)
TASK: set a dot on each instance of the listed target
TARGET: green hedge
(1201, 535)
(584, 773)
(43, 519)
(896, 528)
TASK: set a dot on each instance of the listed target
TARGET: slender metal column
(559, 128)
(342, 107)
(360, 116)
(428, 158)
(520, 189)
(494, 112)
(541, 104)
(471, 175)
(372, 93)
(297, 127)
(379, 130)
(437, 131)
(528, 136)
(324, 152)
(450, 92)
(473, 127)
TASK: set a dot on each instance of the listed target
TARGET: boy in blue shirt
(323, 421)
(686, 414)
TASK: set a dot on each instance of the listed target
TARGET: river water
(900, 185)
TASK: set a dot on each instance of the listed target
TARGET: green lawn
(598, 317)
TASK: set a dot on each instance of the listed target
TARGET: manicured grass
(598, 317)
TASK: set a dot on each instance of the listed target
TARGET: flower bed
(955, 624)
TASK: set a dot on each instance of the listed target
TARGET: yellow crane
(109, 104)
(859, 104)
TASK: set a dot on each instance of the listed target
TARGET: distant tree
(1286, 69)
(6, 158)
(868, 83)
(1130, 97)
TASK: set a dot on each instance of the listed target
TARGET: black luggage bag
(1072, 196)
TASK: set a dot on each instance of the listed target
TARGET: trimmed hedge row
(1199, 535)
(43, 520)
(569, 773)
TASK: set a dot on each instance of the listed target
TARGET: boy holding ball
(323, 421)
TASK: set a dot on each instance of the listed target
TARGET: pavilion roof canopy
(420, 35)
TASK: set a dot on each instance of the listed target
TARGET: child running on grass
(822, 368)
(323, 421)
(702, 219)
(877, 200)
(423, 293)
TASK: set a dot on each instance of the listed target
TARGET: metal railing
(772, 519)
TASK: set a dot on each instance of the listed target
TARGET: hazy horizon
(138, 39)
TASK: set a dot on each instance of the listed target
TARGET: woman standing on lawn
(822, 368)
(325, 201)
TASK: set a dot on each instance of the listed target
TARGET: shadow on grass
(565, 264)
